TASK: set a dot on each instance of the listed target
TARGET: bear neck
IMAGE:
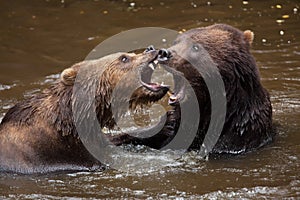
(56, 109)
(249, 111)
(248, 100)
(61, 114)
(248, 119)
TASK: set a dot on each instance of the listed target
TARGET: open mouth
(149, 92)
(163, 58)
(146, 75)
(178, 92)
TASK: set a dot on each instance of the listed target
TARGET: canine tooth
(169, 93)
(151, 66)
(173, 98)
(155, 62)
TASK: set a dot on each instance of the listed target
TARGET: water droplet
(164, 40)
(132, 4)
(264, 40)
(285, 16)
(281, 32)
(245, 2)
(278, 6)
(279, 21)
(118, 176)
(194, 5)
(295, 10)
(105, 12)
(209, 3)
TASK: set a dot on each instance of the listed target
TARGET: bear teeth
(152, 66)
(155, 62)
(173, 98)
(169, 93)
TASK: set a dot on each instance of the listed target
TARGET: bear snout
(164, 54)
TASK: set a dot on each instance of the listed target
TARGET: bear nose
(164, 54)
(149, 48)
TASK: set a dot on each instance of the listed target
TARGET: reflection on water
(38, 39)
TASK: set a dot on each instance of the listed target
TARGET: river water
(38, 39)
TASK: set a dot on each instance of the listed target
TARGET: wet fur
(248, 123)
(39, 135)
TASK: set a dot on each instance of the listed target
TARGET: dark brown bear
(248, 119)
(39, 135)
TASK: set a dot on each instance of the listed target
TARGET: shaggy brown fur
(39, 135)
(248, 122)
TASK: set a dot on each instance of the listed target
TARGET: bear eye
(124, 59)
(195, 47)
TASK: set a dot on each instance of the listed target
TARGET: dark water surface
(38, 39)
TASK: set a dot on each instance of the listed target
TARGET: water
(38, 39)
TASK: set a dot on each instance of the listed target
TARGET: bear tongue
(154, 87)
(152, 66)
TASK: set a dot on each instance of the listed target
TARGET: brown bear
(248, 115)
(39, 135)
(248, 118)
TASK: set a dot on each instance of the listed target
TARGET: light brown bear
(39, 135)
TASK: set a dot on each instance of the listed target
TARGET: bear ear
(249, 36)
(68, 76)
